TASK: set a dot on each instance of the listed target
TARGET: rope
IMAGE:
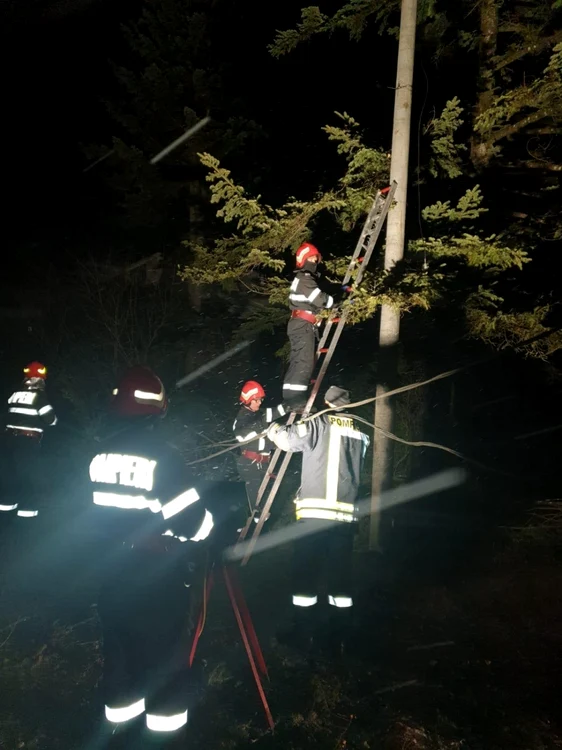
(394, 392)
(438, 446)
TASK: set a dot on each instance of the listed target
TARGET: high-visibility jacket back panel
(141, 488)
(29, 409)
(305, 294)
(333, 451)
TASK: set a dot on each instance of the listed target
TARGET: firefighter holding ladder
(333, 451)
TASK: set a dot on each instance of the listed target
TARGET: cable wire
(394, 392)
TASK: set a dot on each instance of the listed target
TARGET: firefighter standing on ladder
(306, 300)
(250, 422)
(29, 414)
(333, 452)
(150, 517)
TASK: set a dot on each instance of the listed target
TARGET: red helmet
(35, 370)
(139, 393)
(306, 252)
(251, 390)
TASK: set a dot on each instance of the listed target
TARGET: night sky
(57, 55)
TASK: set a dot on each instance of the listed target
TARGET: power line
(395, 392)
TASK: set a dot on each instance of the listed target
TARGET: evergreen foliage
(506, 36)
(518, 111)
(446, 153)
(457, 250)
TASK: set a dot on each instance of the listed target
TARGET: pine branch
(446, 152)
(351, 17)
(548, 166)
(508, 130)
(539, 44)
(544, 96)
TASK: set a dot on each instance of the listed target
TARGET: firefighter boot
(338, 636)
(300, 634)
(163, 740)
(119, 736)
(298, 406)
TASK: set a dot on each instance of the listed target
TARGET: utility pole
(389, 333)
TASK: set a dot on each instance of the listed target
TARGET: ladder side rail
(263, 486)
(366, 231)
(230, 572)
(372, 229)
(343, 316)
(386, 202)
(247, 646)
(267, 507)
(376, 233)
(325, 364)
(368, 228)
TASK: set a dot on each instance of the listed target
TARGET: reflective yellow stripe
(304, 601)
(325, 515)
(159, 723)
(342, 602)
(118, 714)
(317, 502)
(333, 468)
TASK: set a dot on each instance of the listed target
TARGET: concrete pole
(389, 334)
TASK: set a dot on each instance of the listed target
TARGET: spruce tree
(457, 263)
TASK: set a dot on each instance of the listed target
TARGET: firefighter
(306, 300)
(152, 521)
(250, 422)
(29, 414)
(333, 451)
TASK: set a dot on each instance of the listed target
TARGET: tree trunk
(395, 233)
(481, 150)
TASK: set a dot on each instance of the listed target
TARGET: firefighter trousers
(322, 561)
(302, 338)
(143, 608)
(252, 473)
(23, 485)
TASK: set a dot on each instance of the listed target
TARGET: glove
(347, 288)
(272, 430)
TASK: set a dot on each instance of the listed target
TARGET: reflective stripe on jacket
(249, 424)
(305, 294)
(29, 410)
(141, 488)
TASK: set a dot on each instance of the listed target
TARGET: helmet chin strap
(310, 266)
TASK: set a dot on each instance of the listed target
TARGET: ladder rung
(335, 320)
(322, 351)
(385, 190)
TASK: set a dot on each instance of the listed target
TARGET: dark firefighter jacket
(29, 410)
(305, 294)
(249, 424)
(333, 450)
(142, 490)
